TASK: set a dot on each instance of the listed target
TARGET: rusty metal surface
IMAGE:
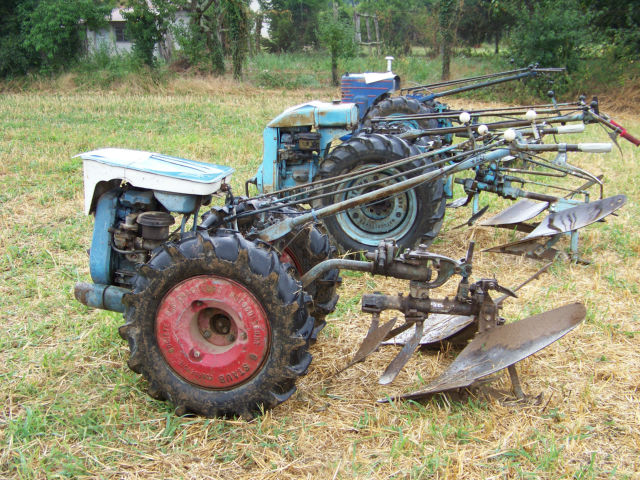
(402, 358)
(502, 346)
(437, 328)
(518, 212)
(529, 247)
(577, 217)
(473, 219)
(372, 340)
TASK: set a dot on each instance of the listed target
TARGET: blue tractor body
(297, 139)
(366, 89)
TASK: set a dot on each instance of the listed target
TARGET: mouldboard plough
(219, 312)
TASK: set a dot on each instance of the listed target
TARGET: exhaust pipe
(96, 295)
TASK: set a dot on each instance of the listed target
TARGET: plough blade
(517, 213)
(372, 341)
(577, 217)
(473, 219)
(437, 328)
(528, 247)
(402, 358)
(458, 202)
(502, 346)
(557, 223)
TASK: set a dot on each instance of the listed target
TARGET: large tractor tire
(217, 326)
(303, 249)
(398, 106)
(411, 217)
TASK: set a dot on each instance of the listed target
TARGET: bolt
(231, 337)
(206, 333)
(244, 335)
(196, 354)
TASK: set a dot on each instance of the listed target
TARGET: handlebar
(624, 134)
(565, 147)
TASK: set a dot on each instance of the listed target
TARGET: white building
(114, 38)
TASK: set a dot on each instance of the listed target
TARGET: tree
(148, 24)
(401, 22)
(335, 32)
(56, 28)
(292, 23)
(447, 18)
(618, 23)
(554, 33)
(235, 13)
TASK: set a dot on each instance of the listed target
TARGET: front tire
(217, 326)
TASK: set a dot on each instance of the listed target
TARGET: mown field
(71, 408)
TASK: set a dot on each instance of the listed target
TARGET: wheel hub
(212, 331)
(389, 216)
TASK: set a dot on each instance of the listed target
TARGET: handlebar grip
(594, 147)
(577, 128)
(624, 134)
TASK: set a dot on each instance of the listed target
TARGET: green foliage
(193, 45)
(618, 24)
(52, 32)
(335, 32)
(553, 34)
(292, 23)
(147, 26)
(237, 18)
(402, 23)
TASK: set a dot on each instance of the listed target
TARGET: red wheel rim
(287, 256)
(212, 331)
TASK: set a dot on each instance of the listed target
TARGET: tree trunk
(259, 19)
(334, 69)
(496, 39)
(446, 60)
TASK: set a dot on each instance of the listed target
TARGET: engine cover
(149, 170)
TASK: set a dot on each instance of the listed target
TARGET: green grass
(72, 409)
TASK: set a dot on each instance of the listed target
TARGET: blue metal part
(365, 89)
(177, 202)
(318, 114)
(105, 297)
(137, 199)
(329, 120)
(159, 164)
(101, 261)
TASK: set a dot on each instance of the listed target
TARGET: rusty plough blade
(517, 213)
(501, 347)
(437, 328)
(552, 226)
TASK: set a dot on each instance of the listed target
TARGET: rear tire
(400, 106)
(217, 326)
(410, 218)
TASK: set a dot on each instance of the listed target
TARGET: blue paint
(177, 202)
(137, 198)
(105, 297)
(331, 121)
(101, 261)
(366, 89)
(159, 164)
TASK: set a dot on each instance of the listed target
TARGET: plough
(219, 312)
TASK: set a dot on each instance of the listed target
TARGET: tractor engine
(298, 139)
(136, 197)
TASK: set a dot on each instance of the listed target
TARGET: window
(120, 30)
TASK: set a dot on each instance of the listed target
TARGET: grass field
(72, 409)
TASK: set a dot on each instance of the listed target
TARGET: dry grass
(71, 408)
